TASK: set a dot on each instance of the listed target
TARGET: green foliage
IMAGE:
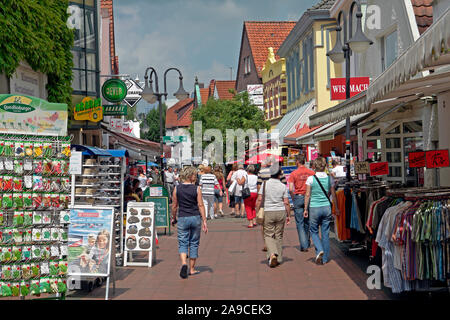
(131, 113)
(238, 113)
(35, 31)
(152, 120)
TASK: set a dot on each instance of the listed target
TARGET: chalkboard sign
(161, 211)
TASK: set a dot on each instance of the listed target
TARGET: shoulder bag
(246, 190)
(323, 189)
(260, 214)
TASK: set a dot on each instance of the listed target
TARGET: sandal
(195, 272)
(183, 271)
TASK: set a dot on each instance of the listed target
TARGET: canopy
(261, 157)
(294, 117)
(92, 151)
(118, 153)
(149, 164)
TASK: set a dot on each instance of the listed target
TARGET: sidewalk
(232, 266)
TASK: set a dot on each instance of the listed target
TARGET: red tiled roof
(108, 4)
(223, 89)
(204, 94)
(265, 34)
(423, 10)
(180, 114)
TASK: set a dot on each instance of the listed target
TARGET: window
(247, 65)
(311, 62)
(83, 20)
(305, 69)
(389, 50)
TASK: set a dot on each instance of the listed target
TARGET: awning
(308, 138)
(292, 138)
(119, 153)
(430, 51)
(329, 133)
(296, 116)
(91, 151)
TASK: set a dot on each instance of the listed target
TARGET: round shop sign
(114, 90)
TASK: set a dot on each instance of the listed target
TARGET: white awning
(430, 51)
(295, 116)
(328, 133)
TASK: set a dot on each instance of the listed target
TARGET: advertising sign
(115, 110)
(161, 211)
(379, 169)
(29, 115)
(140, 226)
(134, 92)
(256, 99)
(437, 159)
(89, 109)
(114, 90)
(255, 89)
(362, 167)
(90, 240)
(416, 159)
(338, 87)
(76, 162)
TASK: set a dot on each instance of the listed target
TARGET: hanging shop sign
(89, 109)
(90, 240)
(437, 159)
(115, 110)
(114, 90)
(379, 169)
(29, 115)
(362, 167)
(416, 159)
(338, 87)
(134, 92)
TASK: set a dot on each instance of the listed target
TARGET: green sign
(118, 110)
(114, 90)
(16, 108)
(174, 138)
(161, 211)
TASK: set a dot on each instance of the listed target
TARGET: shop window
(394, 157)
(412, 127)
(373, 144)
(393, 143)
(376, 133)
(395, 172)
(396, 130)
(389, 49)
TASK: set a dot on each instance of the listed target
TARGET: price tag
(362, 167)
(416, 159)
(437, 159)
(379, 169)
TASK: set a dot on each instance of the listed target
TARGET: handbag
(260, 213)
(246, 190)
(232, 188)
(323, 189)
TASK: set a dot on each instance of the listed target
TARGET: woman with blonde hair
(188, 201)
(318, 208)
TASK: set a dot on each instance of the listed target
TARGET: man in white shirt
(338, 170)
(170, 180)
(239, 176)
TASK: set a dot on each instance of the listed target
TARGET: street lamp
(152, 96)
(340, 53)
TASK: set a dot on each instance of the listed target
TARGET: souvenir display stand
(34, 217)
(101, 183)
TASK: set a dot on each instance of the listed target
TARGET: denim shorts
(238, 199)
(218, 197)
(188, 230)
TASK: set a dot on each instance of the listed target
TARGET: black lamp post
(151, 97)
(340, 53)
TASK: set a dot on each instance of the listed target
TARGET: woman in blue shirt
(318, 208)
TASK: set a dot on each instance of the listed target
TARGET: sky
(200, 37)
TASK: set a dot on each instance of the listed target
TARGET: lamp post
(151, 97)
(340, 53)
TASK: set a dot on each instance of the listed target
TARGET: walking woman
(208, 182)
(250, 202)
(219, 190)
(318, 188)
(277, 211)
(234, 168)
(187, 199)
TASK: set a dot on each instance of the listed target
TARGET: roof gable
(264, 34)
(179, 115)
(223, 87)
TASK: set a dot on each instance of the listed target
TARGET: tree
(238, 113)
(152, 121)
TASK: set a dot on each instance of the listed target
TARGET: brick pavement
(232, 266)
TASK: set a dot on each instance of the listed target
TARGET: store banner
(30, 115)
(437, 159)
(338, 87)
(115, 110)
(379, 169)
(416, 159)
(90, 241)
(89, 109)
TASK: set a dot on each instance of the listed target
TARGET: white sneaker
(319, 258)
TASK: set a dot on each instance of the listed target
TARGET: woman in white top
(251, 181)
(239, 177)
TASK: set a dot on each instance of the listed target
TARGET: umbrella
(261, 157)
(149, 164)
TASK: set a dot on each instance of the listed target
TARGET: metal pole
(161, 148)
(347, 120)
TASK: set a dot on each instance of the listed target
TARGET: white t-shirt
(275, 193)
(142, 182)
(252, 183)
(339, 172)
(169, 176)
(238, 175)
